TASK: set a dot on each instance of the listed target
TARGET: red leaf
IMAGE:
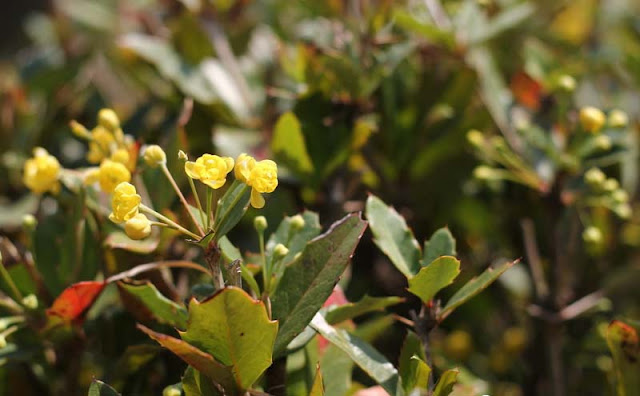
(527, 91)
(76, 299)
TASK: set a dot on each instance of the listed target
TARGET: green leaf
(434, 277)
(338, 367)
(624, 344)
(308, 282)
(99, 388)
(295, 241)
(364, 355)
(195, 384)
(317, 389)
(441, 243)
(160, 307)
(288, 143)
(393, 236)
(231, 207)
(446, 382)
(202, 361)
(229, 251)
(365, 305)
(473, 287)
(120, 240)
(413, 369)
(235, 329)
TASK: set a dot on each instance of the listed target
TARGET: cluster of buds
(593, 119)
(604, 191)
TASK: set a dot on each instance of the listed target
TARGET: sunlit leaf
(434, 277)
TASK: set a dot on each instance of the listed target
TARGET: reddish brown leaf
(527, 91)
(76, 299)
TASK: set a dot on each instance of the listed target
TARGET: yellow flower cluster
(41, 172)
(261, 176)
(109, 147)
(210, 169)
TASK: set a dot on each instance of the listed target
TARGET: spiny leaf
(160, 307)
(441, 243)
(365, 305)
(288, 143)
(473, 287)
(235, 329)
(446, 382)
(413, 369)
(434, 277)
(624, 343)
(309, 281)
(393, 236)
(363, 354)
(200, 360)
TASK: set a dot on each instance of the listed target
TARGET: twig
(438, 14)
(571, 311)
(156, 266)
(533, 258)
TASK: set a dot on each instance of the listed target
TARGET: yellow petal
(229, 162)
(257, 201)
(214, 183)
(190, 169)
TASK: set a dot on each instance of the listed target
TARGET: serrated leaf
(309, 281)
(413, 369)
(231, 207)
(473, 287)
(393, 236)
(200, 360)
(365, 305)
(161, 308)
(235, 329)
(288, 143)
(624, 344)
(364, 355)
(434, 277)
(99, 388)
(446, 382)
(441, 243)
(317, 389)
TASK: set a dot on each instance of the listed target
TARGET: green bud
(183, 156)
(594, 177)
(297, 222)
(603, 142)
(30, 301)
(567, 83)
(610, 185)
(29, 222)
(592, 234)
(475, 138)
(154, 156)
(280, 251)
(618, 119)
(171, 390)
(620, 196)
(623, 211)
(484, 172)
(260, 223)
(592, 119)
(109, 119)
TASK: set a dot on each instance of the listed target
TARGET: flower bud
(603, 142)
(79, 130)
(610, 185)
(280, 251)
(154, 156)
(183, 156)
(297, 222)
(29, 222)
(592, 235)
(592, 119)
(567, 83)
(620, 196)
(623, 211)
(484, 172)
(171, 391)
(475, 138)
(109, 119)
(594, 177)
(3, 341)
(138, 227)
(618, 119)
(30, 301)
(260, 223)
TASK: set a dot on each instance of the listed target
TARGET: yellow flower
(122, 156)
(592, 119)
(108, 119)
(111, 174)
(262, 179)
(41, 172)
(138, 227)
(124, 203)
(100, 145)
(154, 156)
(210, 169)
(244, 164)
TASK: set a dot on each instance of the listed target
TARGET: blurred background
(385, 93)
